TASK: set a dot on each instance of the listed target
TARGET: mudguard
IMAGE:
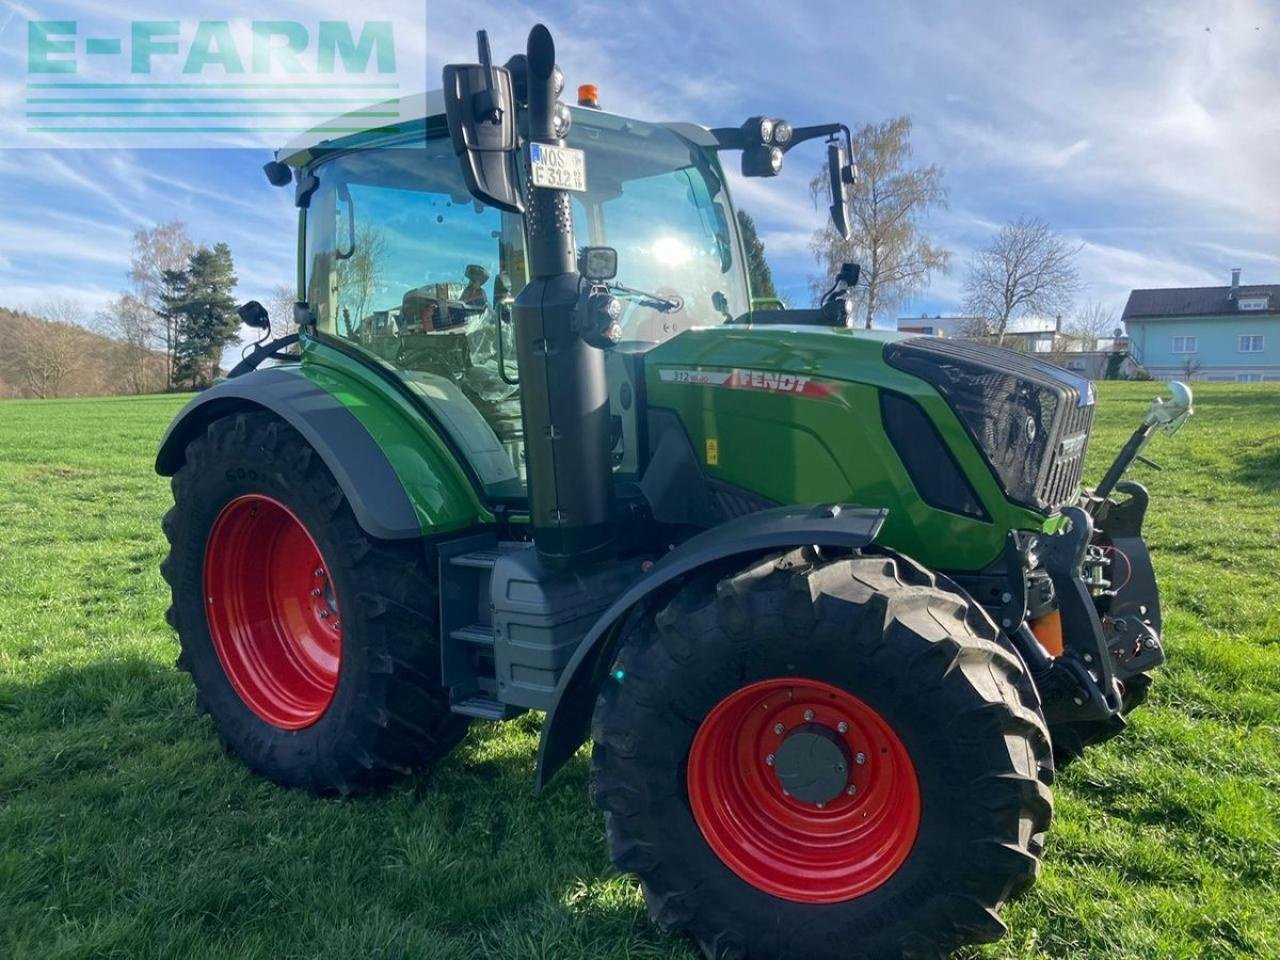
(826, 525)
(377, 497)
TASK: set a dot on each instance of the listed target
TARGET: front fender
(825, 525)
(377, 494)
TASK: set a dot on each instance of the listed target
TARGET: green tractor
(829, 604)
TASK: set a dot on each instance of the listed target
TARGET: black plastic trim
(929, 462)
(378, 499)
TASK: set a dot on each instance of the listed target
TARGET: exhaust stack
(564, 397)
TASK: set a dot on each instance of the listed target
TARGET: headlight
(562, 120)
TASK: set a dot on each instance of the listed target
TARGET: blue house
(1207, 333)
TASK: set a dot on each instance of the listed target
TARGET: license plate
(558, 168)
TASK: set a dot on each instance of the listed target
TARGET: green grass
(125, 832)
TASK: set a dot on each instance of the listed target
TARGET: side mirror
(843, 176)
(480, 107)
(278, 174)
(253, 314)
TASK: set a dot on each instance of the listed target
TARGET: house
(1207, 333)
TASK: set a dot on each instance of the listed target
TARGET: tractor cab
(402, 264)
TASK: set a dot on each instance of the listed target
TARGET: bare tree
(358, 278)
(890, 199)
(132, 324)
(44, 356)
(163, 250)
(1027, 270)
(279, 306)
(1091, 323)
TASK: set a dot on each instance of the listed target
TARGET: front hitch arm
(1167, 415)
(1085, 686)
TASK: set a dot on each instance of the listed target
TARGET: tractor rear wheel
(312, 646)
(823, 759)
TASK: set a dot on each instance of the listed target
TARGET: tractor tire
(1071, 739)
(311, 645)
(811, 759)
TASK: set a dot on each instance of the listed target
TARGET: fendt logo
(768, 381)
(100, 81)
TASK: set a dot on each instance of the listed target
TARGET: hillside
(43, 358)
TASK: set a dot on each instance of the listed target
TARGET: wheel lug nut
(316, 592)
(319, 571)
(808, 714)
(860, 759)
(324, 614)
(769, 760)
(842, 727)
(851, 790)
(778, 728)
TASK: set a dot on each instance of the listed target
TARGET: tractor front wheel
(823, 759)
(312, 646)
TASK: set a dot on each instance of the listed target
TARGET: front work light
(761, 161)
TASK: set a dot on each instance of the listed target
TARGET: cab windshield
(405, 264)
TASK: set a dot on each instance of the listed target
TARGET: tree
(279, 304)
(44, 357)
(162, 251)
(757, 266)
(358, 277)
(890, 199)
(131, 323)
(202, 314)
(1027, 270)
(1091, 323)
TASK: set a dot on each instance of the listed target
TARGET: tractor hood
(960, 442)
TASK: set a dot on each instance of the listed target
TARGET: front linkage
(1092, 656)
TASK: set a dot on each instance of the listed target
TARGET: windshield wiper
(653, 301)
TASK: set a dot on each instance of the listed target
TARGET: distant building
(938, 326)
(1207, 333)
(1039, 336)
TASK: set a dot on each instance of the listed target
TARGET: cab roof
(350, 130)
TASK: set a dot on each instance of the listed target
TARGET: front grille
(1029, 418)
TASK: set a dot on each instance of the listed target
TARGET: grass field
(125, 832)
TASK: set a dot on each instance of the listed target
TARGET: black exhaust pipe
(564, 398)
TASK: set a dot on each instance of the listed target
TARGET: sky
(1149, 133)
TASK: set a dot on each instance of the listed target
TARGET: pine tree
(203, 311)
(757, 266)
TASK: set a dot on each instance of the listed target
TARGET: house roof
(1198, 302)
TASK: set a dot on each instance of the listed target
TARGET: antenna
(486, 105)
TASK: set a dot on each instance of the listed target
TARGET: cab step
(481, 634)
(485, 708)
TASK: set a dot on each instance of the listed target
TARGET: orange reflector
(1048, 630)
(589, 96)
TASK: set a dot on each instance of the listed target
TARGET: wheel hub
(803, 790)
(813, 764)
(272, 611)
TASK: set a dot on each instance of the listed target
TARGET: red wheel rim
(796, 850)
(272, 611)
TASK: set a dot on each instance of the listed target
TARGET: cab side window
(405, 264)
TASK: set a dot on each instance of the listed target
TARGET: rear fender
(825, 525)
(384, 505)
